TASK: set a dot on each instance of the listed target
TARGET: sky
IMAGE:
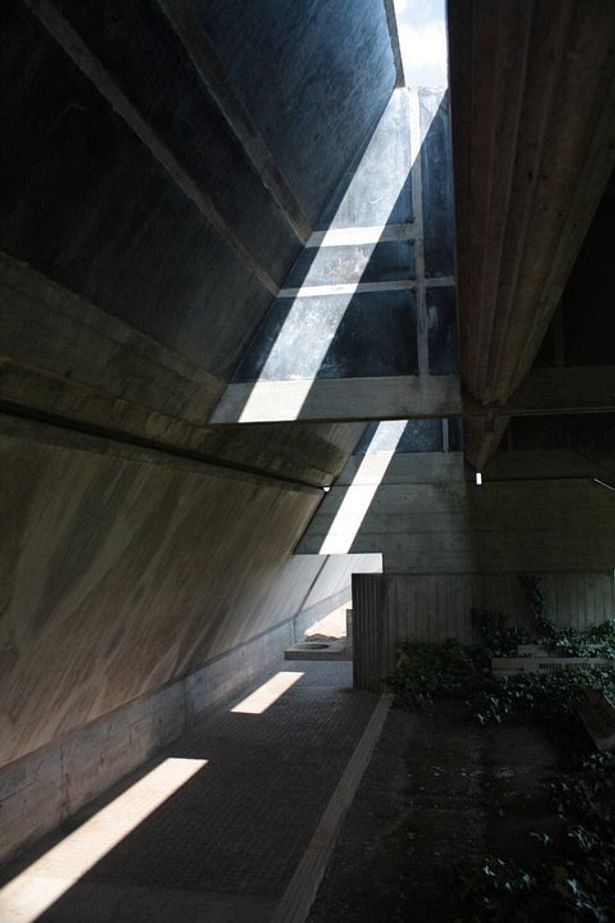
(422, 37)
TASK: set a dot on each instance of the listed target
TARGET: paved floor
(214, 828)
(441, 793)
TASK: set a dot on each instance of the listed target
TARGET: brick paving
(225, 845)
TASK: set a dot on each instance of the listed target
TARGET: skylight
(421, 25)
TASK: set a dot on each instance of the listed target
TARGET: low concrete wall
(391, 608)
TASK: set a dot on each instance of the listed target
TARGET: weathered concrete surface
(313, 54)
(425, 514)
(117, 170)
(69, 359)
(391, 608)
(122, 574)
(533, 139)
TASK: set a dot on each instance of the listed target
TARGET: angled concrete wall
(137, 590)
(164, 165)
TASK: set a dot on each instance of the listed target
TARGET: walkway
(215, 827)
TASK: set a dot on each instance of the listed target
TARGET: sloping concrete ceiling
(165, 164)
(533, 111)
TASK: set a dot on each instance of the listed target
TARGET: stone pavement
(213, 828)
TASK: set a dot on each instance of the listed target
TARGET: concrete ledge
(299, 896)
(319, 650)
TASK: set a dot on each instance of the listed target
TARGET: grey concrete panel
(137, 45)
(89, 206)
(455, 434)
(453, 526)
(377, 187)
(368, 335)
(123, 574)
(377, 337)
(438, 216)
(413, 468)
(442, 330)
(333, 69)
(386, 398)
(384, 262)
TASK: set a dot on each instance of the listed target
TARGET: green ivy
(541, 695)
(425, 672)
(575, 882)
(499, 637)
(503, 639)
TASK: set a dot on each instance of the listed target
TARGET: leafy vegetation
(544, 696)
(500, 638)
(426, 672)
(575, 882)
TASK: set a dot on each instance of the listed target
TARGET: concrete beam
(67, 362)
(533, 142)
(394, 398)
(544, 392)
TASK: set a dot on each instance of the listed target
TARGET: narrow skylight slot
(421, 26)
(479, 479)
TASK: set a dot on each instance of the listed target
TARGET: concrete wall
(163, 164)
(124, 569)
(137, 589)
(426, 518)
(391, 608)
(43, 788)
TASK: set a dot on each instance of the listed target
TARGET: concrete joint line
(299, 896)
(64, 34)
(185, 22)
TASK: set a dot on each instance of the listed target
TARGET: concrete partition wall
(137, 590)
(448, 544)
(391, 608)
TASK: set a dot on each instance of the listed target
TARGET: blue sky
(422, 37)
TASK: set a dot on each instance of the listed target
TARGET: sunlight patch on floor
(262, 698)
(34, 890)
